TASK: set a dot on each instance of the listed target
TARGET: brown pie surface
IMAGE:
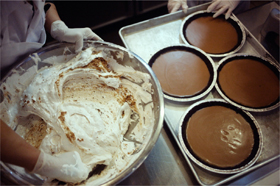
(249, 82)
(181, 73)
(220, 136)
(212, 35)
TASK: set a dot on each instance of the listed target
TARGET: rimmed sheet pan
(147, 37)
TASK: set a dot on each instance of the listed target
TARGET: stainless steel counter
(166, 165)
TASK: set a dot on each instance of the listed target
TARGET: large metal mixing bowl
(16, 175)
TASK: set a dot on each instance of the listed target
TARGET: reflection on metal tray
(148, 37)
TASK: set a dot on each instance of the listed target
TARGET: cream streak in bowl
(104, 103)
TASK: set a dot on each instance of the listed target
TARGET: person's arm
(66, 166)
(175, 5)
(223, 7)
(15, 150)
(51, 16)
(59, 31)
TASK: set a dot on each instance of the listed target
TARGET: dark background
(105, 18)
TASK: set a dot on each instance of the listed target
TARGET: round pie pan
(258, 138)
(209, 63)
(271, 65)
(234, 22)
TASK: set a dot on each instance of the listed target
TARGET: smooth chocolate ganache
(249, 82)
(212, 35)
(181, 73)
(219, 136)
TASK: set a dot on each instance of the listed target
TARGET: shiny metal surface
(148, 37)
(261, 59)
(254, 125)
(129, 59)
(233, 18)
(211, 68)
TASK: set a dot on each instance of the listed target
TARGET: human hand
(174, 5)
(66, 167)
(61, 32)
(222, 6)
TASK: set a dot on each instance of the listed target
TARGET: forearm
(59, 30)
(15, 150)
(51, 16)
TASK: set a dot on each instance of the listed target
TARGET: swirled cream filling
(92, 105)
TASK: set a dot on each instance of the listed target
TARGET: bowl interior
(18, 175)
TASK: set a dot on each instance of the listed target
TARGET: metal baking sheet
(147, 37)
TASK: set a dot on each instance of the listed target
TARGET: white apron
(22, 30)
